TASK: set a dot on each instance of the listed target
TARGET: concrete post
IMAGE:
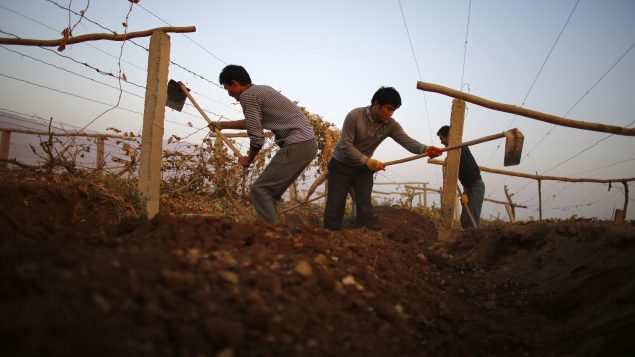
(100, 154)
(450, 179)
(5, 142)
(153, 117)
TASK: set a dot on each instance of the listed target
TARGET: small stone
(303, 268)
(225, 257)
(349, 280)
(193, 255)
(321, 260)
(229, 276)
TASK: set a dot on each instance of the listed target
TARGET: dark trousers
(475, 197)
(341, 179)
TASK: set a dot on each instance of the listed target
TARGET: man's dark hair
(444, 131)
(236, 73)
(386, 95)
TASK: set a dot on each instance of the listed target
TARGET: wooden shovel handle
(453, 147)
(220, 135)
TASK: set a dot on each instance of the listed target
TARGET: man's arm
(246, 161)
(399, 135)
(235, 124)
(410, 144)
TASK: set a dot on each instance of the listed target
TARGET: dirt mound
(78, 278)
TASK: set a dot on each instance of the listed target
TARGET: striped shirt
(359, 139)
(266, 108)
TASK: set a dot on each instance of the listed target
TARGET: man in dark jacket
(470, 177)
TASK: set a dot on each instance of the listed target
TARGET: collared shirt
(360, 138)
(266, 108)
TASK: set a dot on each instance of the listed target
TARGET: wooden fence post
(5, 142)
(153, 117)
(100, 154)
(539, 198)
(510, 212)
(625, 197)
(425, 195)
(448, 196)
(509, 206)
(293, 192)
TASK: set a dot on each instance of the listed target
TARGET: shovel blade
(176, 96)
(514, 140)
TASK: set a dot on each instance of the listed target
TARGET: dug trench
(79, 279)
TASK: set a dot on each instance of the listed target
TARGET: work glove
(433, 151)
(375, 165)
(464, 199)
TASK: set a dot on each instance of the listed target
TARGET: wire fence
(124, 94)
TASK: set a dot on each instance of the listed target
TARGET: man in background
(470, 177)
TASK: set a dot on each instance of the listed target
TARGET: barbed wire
(67, 93)
(603, 167)
(414, 55)
(114, 32)
(186, 36)
(533, 83)
(69, 71)
(566, 208)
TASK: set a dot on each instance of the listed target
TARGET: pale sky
(566, 58)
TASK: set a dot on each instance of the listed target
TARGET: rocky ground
(81, 277)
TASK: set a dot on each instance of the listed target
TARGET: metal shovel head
(514, 140)
(176, 96)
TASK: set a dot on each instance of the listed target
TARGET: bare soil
(79, 276)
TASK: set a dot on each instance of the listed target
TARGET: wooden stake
(93, 37)
(625, 197)
(5, 143)
(100, 155)
(450, 179)
(511, 204)
(513, 109)
(153, 117)
(539, 199)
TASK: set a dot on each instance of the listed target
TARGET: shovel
(177, 93)
(514, 140)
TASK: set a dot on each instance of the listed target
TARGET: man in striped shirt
(352, 166)
(266, 108)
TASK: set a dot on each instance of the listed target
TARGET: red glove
(433, 151)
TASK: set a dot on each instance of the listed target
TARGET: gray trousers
(285, 167)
